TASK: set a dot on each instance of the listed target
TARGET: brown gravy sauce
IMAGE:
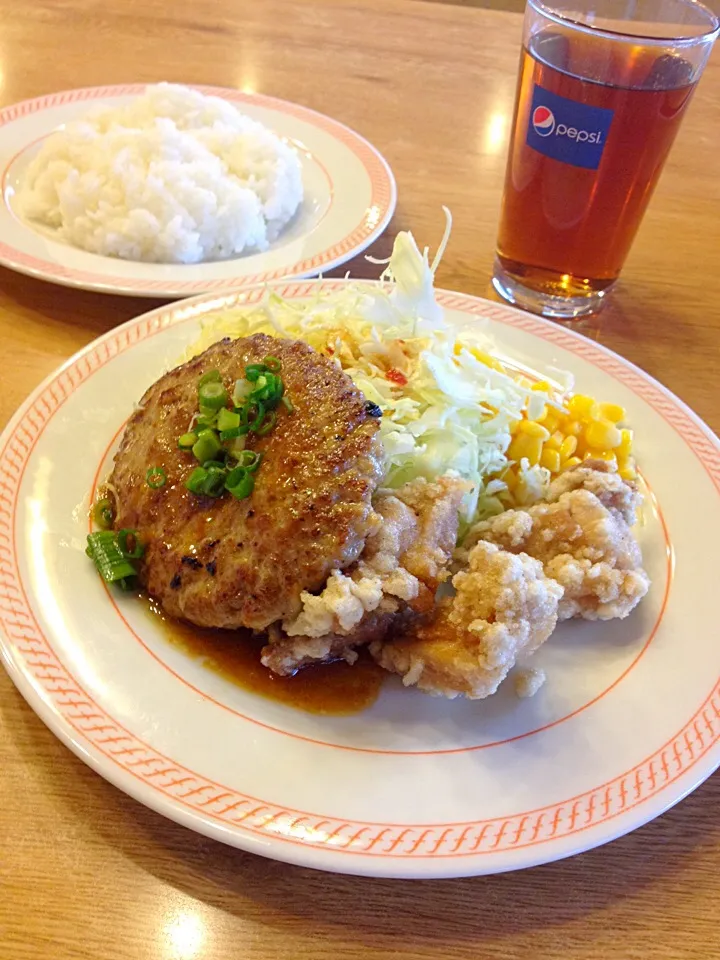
(333, 689)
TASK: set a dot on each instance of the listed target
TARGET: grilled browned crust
(230, 563)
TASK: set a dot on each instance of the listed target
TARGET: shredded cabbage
(445, 409)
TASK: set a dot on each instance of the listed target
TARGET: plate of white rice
(167, 191)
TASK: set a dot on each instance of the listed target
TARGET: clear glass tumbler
(603, 87)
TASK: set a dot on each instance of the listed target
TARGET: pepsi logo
(565, 130)
(543, 121)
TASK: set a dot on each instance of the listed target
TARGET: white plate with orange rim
(350, 196)
(627, 724)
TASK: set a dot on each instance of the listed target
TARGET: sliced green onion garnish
(268, 424)
(102, 548)
(196, 479)
(259, 416)
(254, 399)
(187, 441)
(206, 421)
(207, 446)
(214, 482)
(241, 391)
(288, 404)
(269, 390)
(104, 513)
(233, 433)
(274, 384)
(235, 476)
(156, 478)
(249, 460)
(212, 395)
(244, 413)
(129, 544)
(236, 446)
(227, 419)
(212, 376)
(240, 482)
(208, 480)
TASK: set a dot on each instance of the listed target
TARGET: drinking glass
(602, 90)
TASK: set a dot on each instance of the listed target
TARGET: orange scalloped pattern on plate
(89, 725)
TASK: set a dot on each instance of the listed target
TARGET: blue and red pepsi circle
(543, 121)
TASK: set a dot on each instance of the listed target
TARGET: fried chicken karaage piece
(405, 559)
(583, 541)
(430, 540)
(620, 497)
(505, 608)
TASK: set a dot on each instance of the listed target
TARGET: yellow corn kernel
(626, 440)
(513, 426)
(568, 447)
(541, 385)
(583, 408)
(555, 441)
(573, 428)
(607, 455)
(550, 459)
(612, 412)
(602, 435)
(543, 415)
(523, 445)
(571, 463)
(628, 473)
(534, 451)
(516, 450)
(533, 429)
(520, 491)
(509, 478)
(483, 358)
(551, 421)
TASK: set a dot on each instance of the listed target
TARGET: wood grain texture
(86, 872)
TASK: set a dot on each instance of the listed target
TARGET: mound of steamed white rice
(172, 177)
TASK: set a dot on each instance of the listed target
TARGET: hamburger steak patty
(243, 563)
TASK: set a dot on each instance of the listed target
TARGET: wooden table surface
(85, 872)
